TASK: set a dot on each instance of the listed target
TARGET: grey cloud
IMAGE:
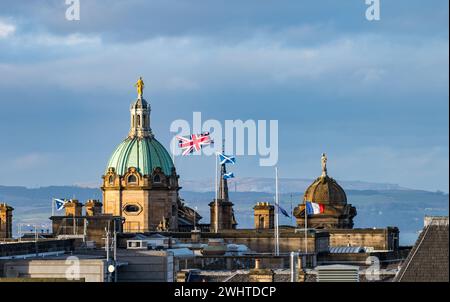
(355, 66)
(138, 20)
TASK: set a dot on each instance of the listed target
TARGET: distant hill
(260, 184)
(384, 206)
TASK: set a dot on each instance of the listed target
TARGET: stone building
(140, 183)
(73, 208)
(88, 226)
(338, 214)
(5, 221)
(264, 215)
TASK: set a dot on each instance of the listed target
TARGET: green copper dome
(143, 153)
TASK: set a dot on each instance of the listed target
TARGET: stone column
(73, 208)
(93, 207)
(5, 221)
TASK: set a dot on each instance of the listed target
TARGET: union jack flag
(194, 143)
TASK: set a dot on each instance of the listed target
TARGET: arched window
(111, 180)
(139, 120)
(157, 179)
(132, 179)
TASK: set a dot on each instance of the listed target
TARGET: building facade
(264, 215)
(140, 182)
(5, 221)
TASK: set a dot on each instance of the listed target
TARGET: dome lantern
(140, 114)
(140, 150)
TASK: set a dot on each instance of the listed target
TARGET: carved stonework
(141, 199)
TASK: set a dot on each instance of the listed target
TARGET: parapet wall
(378, 239)
(262, 241)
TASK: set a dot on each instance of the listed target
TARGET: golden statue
(140, 87)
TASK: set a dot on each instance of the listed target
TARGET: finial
(140, 87)
(324, 164)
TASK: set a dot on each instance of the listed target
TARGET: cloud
(29, 161)
(355, 65)
(75, 40)
(315, 66)
(139, 20)
(6, 29)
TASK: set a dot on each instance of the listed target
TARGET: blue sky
(373, 95)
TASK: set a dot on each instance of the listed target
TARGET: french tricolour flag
(313, 208)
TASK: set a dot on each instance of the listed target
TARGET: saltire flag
(60, 203)
(226, 159)
(313, 208)
(228, 175)
(283, 211)
(194, 143)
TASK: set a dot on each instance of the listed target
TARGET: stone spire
(223, 186)
(140, 115)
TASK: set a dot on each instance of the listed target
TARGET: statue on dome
(324, 164)
(140, 87)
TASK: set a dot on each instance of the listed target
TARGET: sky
(373, 95)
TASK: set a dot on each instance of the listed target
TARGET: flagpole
(172, 147)
(292, 211)
(53, 207)
(306, 228)
(216, 212)
(277, 242)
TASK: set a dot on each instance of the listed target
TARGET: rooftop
(428, 260)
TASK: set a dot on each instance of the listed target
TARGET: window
(261, 222)
(111, 180)
(132, 208)
(139, 120)
(132, 179)
(157, 179)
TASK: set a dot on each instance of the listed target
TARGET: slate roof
(428, 259)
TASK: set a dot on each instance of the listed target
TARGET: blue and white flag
(228, 175)
(283, 211)
(226, 159)
(59, 204)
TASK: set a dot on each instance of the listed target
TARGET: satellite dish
(111, 268)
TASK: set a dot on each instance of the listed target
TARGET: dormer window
(157, 179)
(132, 179)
